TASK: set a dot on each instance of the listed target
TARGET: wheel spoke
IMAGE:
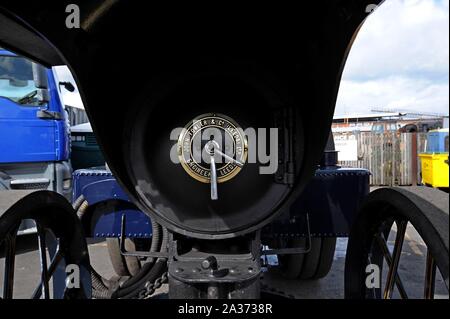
(43, 261)
(53, 265)
(10, 258)
(375, 293)
(387, 256)
(393, 268)
(430, 277)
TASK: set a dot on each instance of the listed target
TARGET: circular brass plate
(190, 147)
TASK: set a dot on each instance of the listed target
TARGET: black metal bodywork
(291, 59)
(143, 70)
(331, 200)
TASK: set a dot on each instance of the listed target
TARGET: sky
(399, 60)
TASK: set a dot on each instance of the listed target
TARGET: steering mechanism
(212, 148)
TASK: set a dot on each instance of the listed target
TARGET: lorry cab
(34, 131)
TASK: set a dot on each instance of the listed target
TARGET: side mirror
(68, 86)
(40, 76)
(41, 82)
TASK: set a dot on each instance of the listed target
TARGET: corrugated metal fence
(391, 157)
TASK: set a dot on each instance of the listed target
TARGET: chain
(150, 287)
(271, 290)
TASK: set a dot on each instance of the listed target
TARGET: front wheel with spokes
(54, 218)
(398, 245)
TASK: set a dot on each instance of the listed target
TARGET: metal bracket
(206, 264)
(295, 250)
(286, 167)
(126, 253)
(49, 115)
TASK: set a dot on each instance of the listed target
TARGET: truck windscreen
(16, 80)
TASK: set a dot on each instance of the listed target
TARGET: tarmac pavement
(331, 287)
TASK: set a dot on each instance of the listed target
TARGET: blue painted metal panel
(332, 200)
(62, 142)
(97, 186)
(7, 53)
(23, 137)
(436, 142)
(26, 138)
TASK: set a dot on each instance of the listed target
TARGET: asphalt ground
(412, 270)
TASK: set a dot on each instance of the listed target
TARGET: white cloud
(400, 59)
(400, 93)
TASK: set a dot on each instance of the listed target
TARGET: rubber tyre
(326, 257)
(133, 264)
(313, 265)
(123, 266)
(289, 264)
(311, 260)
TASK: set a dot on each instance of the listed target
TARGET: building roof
(368, 115)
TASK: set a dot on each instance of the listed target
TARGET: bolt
(209, 263)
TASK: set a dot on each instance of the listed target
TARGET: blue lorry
(34, 128)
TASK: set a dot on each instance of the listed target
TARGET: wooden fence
(391, 157)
